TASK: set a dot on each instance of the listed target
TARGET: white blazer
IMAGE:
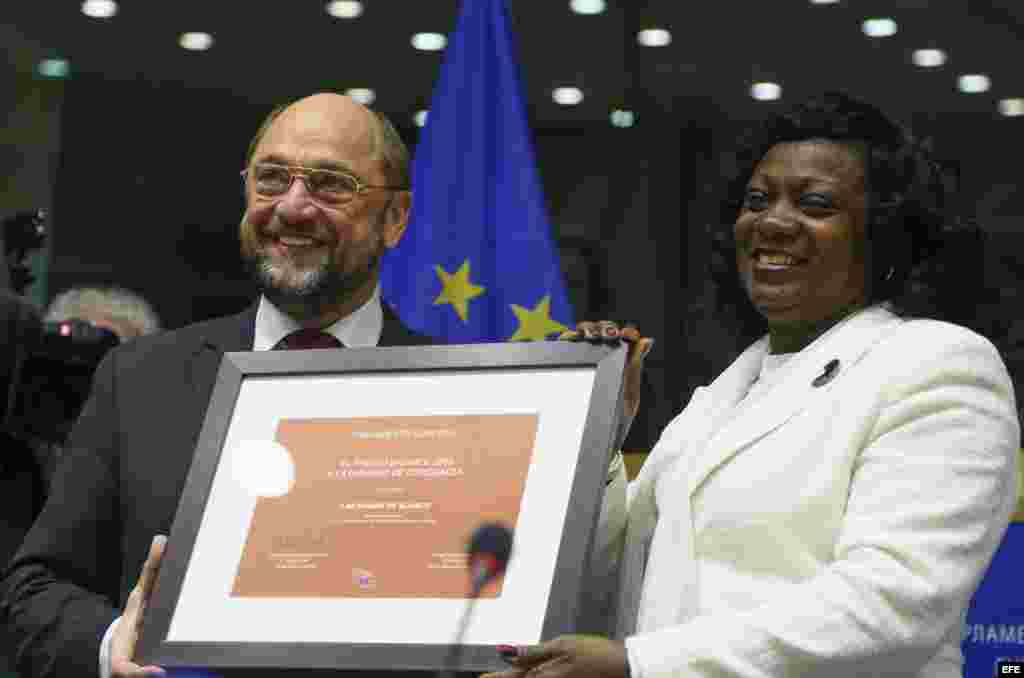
(838, 526)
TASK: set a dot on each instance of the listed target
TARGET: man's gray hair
(115, 303)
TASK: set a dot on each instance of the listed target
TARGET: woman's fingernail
(611, 332)
(508, 652)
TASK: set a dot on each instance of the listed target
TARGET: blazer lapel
(220, 336)
(805, 378)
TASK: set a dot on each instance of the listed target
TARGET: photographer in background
(118, 310)
(79, 327)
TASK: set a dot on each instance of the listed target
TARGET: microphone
(489, 550)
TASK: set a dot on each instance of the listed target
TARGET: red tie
(307, 338)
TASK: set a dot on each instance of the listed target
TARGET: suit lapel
(220, 336)
(794, 390)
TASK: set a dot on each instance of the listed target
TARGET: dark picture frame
(531, 361)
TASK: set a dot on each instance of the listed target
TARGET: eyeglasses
(326, 186)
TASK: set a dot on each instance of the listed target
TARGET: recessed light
(621, 118)
(654, 37)
(567, 96)
(766, 91)
(587, 6)
(879, 28)
(362, 95)
(99, 9)
(929, 58)
(429, 42)
(196, 41)
(420, 118)
(973, 83)
(344, 9)
(1011, 107)
(54, 68)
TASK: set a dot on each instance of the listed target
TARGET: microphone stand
(489, 550)
(483, 573)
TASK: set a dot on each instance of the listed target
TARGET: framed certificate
(325, 518)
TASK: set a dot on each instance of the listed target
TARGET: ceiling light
(54, 68)
(567, 96)
(99, 9)
(929, 58)
(623, 118)
(766, 91)
(824, 2)
(587, 6)
(196, 41)
(420, 118)
(362, 95)
(344, 9)
(429, 42)
(974, 83)
(654, 37)
(879, 28)
(1011, 107)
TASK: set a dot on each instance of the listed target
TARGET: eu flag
(477, 262)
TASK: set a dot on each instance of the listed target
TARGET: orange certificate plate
(382, 507)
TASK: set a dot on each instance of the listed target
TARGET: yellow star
(457, 289)
(536, 324)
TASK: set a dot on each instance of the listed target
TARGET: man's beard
(307, 292)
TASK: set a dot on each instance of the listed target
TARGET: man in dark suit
(326, 185)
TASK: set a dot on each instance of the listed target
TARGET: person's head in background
(327, 192)
(121, 311)
(832, 207)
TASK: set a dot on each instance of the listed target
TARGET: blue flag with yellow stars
(994, 627)
(477, 262)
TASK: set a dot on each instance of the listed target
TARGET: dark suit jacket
(118, 486)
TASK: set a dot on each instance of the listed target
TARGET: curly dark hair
(922, 258)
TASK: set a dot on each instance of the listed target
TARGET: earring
(888, 276)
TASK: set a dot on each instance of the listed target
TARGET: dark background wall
(148, 196)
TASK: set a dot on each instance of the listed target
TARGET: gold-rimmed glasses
(270, 180)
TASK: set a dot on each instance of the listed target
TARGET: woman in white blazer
(827, 505)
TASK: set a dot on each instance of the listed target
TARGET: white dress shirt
(358, 329)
